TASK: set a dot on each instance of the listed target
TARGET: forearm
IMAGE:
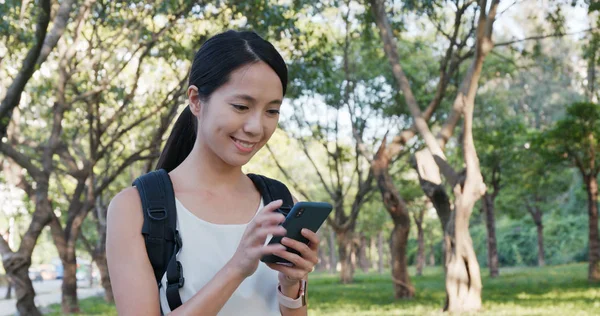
(213, 296)
(292, 292)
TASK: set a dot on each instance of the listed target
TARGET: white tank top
(207, 247)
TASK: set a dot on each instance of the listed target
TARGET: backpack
(161, 236)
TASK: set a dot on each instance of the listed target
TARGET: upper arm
(131, 274)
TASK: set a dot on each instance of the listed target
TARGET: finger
(269, 219)
(305, 251)
(295, 259)
(291, 272)
(267, 213)
(274, 205)
(271, 249)
(312, 237)
(260, 234)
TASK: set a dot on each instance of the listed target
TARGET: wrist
(292, 300)
(234, 271)
(291, 290)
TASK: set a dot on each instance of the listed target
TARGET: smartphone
(309, 215)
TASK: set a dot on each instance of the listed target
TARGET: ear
(194, 100)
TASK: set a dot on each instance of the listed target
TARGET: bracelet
(290, 302)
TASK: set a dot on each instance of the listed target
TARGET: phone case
(310, 215)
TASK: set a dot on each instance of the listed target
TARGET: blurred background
(489, 204)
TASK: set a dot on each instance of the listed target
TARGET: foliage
(575, 139)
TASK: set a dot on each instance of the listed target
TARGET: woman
(236, 87)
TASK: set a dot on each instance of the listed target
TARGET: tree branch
(111, 177)
(13, 93)
(59, 24)
(288, 177)
(4, 247)
(87, 244)
(543, 36)
(22, 161)
(402, 80)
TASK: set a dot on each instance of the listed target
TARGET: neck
(203, 169)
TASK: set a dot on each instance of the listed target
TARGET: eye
(273, 112)
(239, 107)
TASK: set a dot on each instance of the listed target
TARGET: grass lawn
(558, 290)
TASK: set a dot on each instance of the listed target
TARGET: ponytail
(180, 142)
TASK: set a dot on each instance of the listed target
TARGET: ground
(557, 290)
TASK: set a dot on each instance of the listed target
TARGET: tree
(499, 144)
(85, 152)
(463, 282)
(346, 176)
(388, 152)
(575, 141)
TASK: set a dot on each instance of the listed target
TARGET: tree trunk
(17, 269)
(323, 263)
(402, 285)
(373, 253)
(420, 241)
(463, 279)
(432, 256)
(70, 304)
(398, 210)
(421, 244)
(100, 260)
(345, 243)
(91, 274)
(594, 242)
(380, 266)
(99, 252)
(16, 264)
(431, 182)
(332, 254)
(540, 241)
(8, 294)
(490, 223)
(361, 252)
(536, 215)
(591, 71)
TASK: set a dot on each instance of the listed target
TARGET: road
(47, 293)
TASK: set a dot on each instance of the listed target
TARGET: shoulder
(126, 205)
(127, 197)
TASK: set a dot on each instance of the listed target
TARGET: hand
(303, 264)
(252, 246)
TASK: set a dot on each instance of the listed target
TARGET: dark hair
(213, 64)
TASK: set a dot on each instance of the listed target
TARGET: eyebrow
(253, 100)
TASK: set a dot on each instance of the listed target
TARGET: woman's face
(241, 115)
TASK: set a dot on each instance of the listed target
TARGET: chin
(237, 160)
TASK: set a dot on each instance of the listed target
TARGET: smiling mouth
(243, 145)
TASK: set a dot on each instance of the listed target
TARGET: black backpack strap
(271, 190)
(160, 231)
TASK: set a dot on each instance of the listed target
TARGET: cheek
(270, 128)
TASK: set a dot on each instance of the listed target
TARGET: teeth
(244, 144)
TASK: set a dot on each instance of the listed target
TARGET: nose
(253, 125)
